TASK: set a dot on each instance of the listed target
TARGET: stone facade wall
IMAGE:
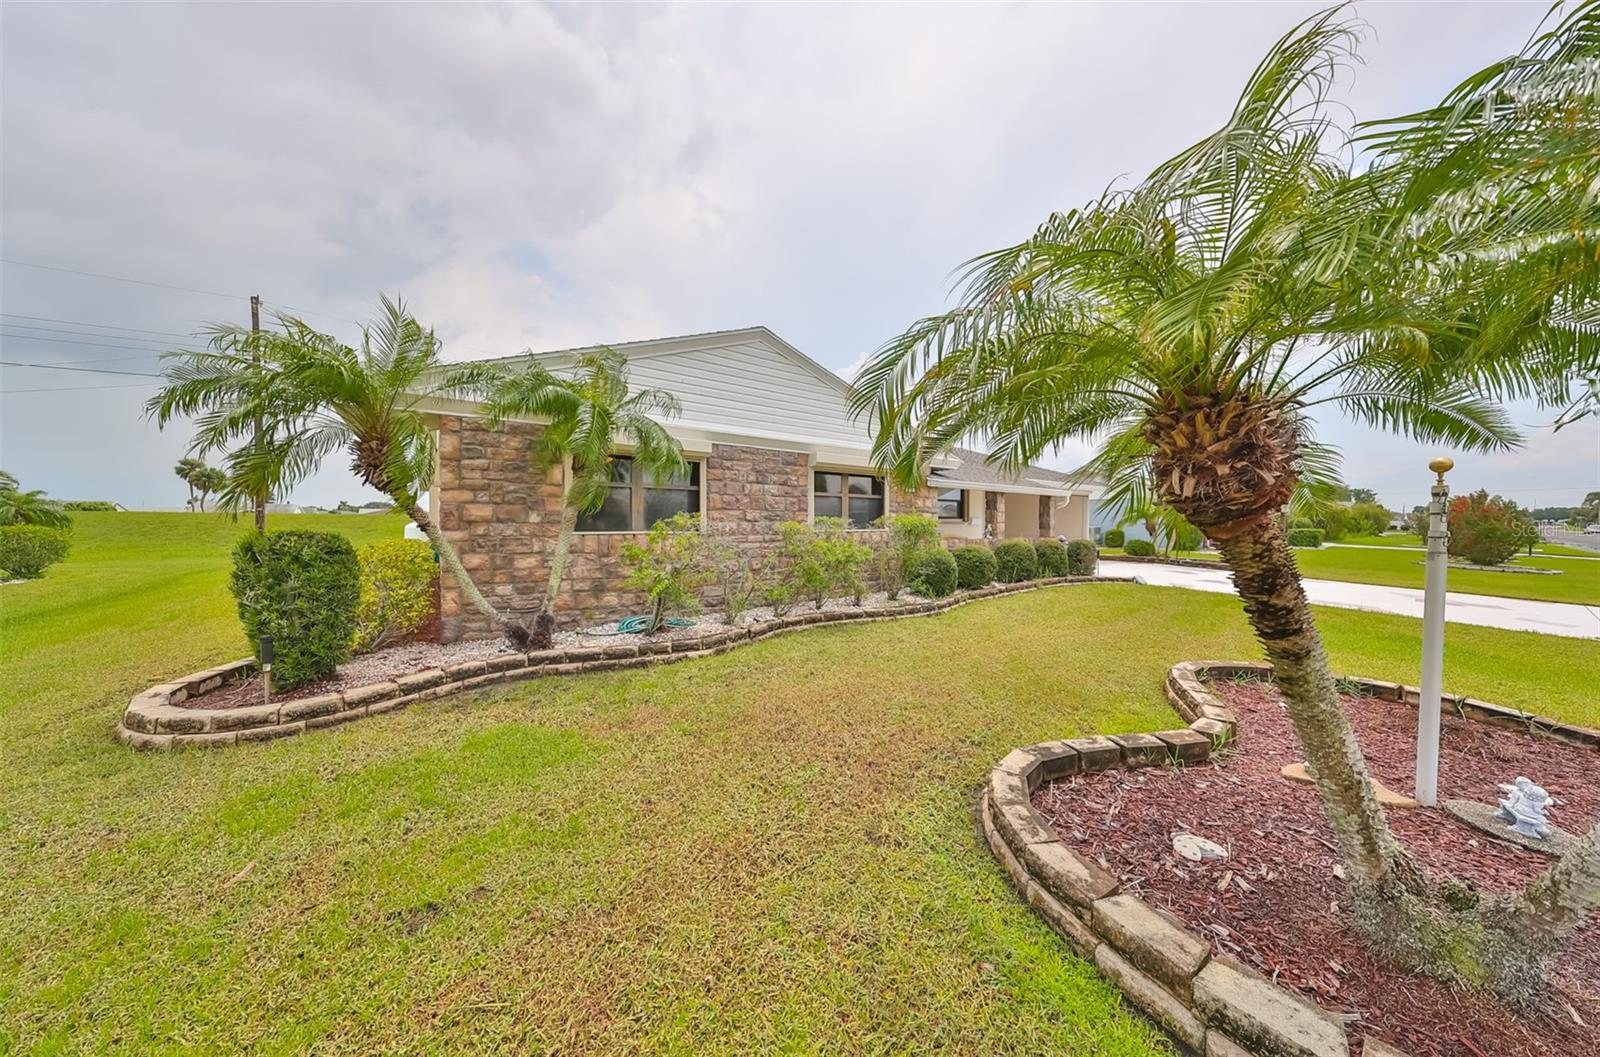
(503, 518)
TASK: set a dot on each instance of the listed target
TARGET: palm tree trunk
(558, 560)
(1268, 581)
(261, 513)
(1559, 900)
(514, 630)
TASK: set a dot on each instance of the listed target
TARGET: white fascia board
(942, 483)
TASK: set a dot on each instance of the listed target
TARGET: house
(769, 437)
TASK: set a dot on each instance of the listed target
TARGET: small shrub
(1139, 548)
(88, 504)
(1302, 522)
(667, 568)
(909, 536)
(1306, 537)
(975, 567)
(1371, 519)
(302, 588)
(1115, 537)
(739, 577)
(396, 591)
(1052, 556)
(816, 562)
(26, 551)
(1016, 561)
(1487, 531)
(935, 574)
(842, 559)
(1083, 557)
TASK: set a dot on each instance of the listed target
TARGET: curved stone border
(1213, 1004)
(154, 718)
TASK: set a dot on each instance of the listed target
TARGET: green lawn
(1406, 539)
(771, 851)
(1579, 581)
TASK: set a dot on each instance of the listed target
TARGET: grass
(771, 851)
(1396, 567)
(1406, 539)
(1578, 581)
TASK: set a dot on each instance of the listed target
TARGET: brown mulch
(1279, 903)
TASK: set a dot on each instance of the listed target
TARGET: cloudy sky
(553, 176)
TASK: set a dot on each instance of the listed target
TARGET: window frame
(960, 501)
(879, 494)
(637, 489)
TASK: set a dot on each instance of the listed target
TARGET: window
(638, 499)
(856, 498)
(952, 504)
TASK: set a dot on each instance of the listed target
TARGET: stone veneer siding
(503, 518)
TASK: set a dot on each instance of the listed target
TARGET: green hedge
(975, 567)
(1139, 548)
(1016, 561)
(1115, 537)
(1052, 555)
(1306, 537)
(1083, 557)
(934, 573)
(302, 588)
(396, 591)
(26, 551)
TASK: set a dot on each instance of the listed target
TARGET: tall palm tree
(1190, 324)
(209, 479)
(282, 400)
(589, 416)
(186, 469)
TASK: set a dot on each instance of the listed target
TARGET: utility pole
(255, 356)
(1433, 587)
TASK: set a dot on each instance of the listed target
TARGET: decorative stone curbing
(155, 720)
(1212, 1004)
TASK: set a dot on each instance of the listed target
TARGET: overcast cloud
(554, 176)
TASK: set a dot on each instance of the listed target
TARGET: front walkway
(1513, 614)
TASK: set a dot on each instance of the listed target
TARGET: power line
(74, 341)
(120, 279)
(86, 370)
(75, 388)
(87, 333)
(87, 323)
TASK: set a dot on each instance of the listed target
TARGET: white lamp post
(1438, 565)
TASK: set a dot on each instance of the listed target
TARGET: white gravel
(419, 656)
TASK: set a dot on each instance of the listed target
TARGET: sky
(550, 176)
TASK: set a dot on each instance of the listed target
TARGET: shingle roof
(974, 469)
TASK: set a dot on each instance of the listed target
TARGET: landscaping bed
(1278, 904)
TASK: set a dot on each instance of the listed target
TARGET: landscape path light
(266, 669)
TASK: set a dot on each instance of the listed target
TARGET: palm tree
(588, 417)
(209, 479)
(1190, 324)
(29, 508)
(281, 400)
(187, 469)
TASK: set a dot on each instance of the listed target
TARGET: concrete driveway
(1513, 614)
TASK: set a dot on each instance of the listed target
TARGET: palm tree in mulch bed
(587, 418)
(1193, 322)
(281, 400)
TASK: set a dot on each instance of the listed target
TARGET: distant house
(769, 438)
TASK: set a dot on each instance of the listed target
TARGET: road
(1512, 614)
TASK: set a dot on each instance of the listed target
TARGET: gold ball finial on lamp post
(1441, 465)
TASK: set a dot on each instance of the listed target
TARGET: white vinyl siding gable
(748, 388)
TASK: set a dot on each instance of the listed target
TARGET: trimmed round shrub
(934, 573)
(975, 567)
(396, 592)
(1306, 537)
(1115, 537)
(26, 551)
(302, 588)
(1488, 530)
(1052, 555)
(1139, 548)
(1016, 561)
(1083, 557)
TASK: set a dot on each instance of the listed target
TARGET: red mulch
(1277, 901)
(238, 693)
